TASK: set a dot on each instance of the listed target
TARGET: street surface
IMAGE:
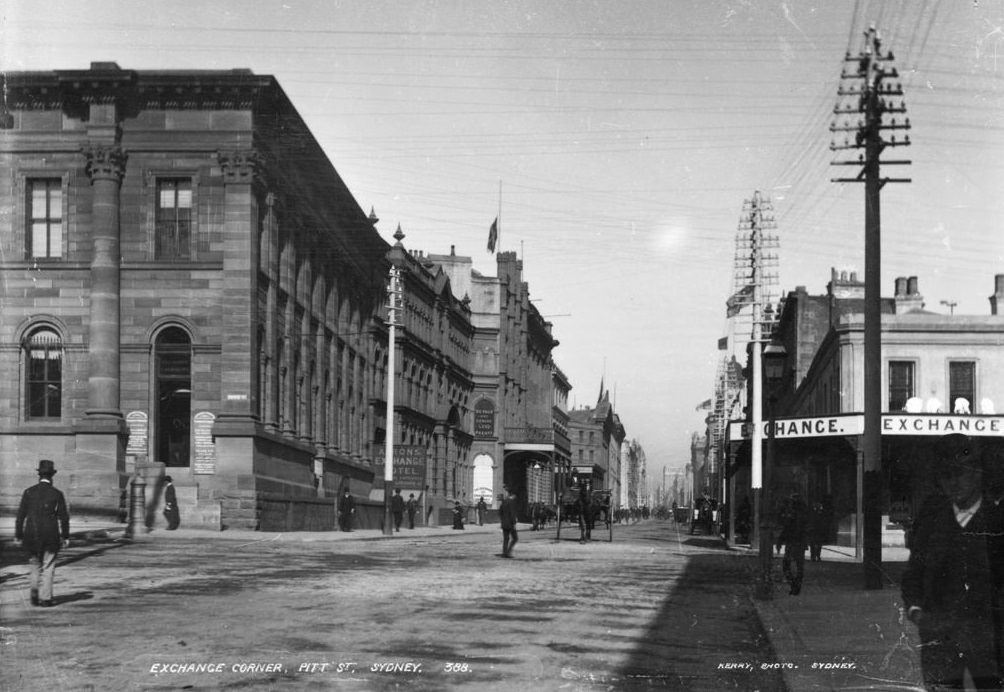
(431, 610)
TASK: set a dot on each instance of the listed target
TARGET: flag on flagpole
(493, 235)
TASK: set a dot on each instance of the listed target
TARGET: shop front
(822, 460)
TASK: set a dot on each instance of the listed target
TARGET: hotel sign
(892, 424)
(918, 424)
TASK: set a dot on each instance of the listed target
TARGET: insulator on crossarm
(906, 139)
(861, 158)
(907, 123)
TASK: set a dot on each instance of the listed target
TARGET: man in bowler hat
(952, 581)
(171, 512)
(42, 528)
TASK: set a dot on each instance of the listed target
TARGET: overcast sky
(624, 135)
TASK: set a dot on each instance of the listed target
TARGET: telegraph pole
(751, 270)
(865, 99)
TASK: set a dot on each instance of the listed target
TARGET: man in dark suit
(171, 512)
(955, 571)
(346, 508)
(507, 518)
(42, 527)
(397, 508)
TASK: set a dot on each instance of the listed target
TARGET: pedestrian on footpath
(507, 519)
(42, 528)
(171, 512)
(955, 569)
(346, 508)
(817, 530)
(458, 515)
(397, 508)
(794, 518)
(482, 507)
(412, 508)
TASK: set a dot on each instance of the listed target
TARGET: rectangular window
(961, 384)
(900, 384)
(174, 219)
(45, 218)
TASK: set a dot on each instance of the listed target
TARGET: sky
(617, 142)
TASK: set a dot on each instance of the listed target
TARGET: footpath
(834, 635)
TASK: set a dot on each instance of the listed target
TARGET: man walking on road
(507, 518)
(42, 528)
(955, 570)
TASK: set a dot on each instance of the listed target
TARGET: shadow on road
(81, 548)
(705, 628)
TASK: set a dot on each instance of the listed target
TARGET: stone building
(520, 396)
(596, 435)
(941, 373)
(191, 288)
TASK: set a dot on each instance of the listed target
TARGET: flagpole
(500, 217)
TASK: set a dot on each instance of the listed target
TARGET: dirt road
(651, 610)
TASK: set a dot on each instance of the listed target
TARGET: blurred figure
(412, 508)
(482, 508)
(953, 577)
(397, 508)
(346, 508)
(458, 515)
(171, 512)
(507, 518)
(792, 537)
(817, 531)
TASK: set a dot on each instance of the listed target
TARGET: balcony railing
(529, 434)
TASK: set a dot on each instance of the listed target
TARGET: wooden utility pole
(866, 98)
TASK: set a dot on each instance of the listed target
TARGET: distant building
(520, 396)
(633, 490)
(596, 437)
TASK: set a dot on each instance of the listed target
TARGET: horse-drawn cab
(584, 507)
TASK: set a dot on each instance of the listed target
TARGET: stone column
(240, 280)
(105, 166)
(236, 426)
(100, 436)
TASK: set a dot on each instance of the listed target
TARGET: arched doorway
(173, 386)
(484, 478)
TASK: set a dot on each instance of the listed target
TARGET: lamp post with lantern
(774, 358)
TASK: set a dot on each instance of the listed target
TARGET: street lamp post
(394, 307)
(774, 356)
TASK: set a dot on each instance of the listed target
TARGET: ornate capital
(105, 162)
(242, 166)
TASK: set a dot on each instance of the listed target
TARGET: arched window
(44, 374)
(173, 356)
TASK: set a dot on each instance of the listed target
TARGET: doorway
(173, 372)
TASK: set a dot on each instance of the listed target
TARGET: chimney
(908, 296)
(900, 286)
(998, 297)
